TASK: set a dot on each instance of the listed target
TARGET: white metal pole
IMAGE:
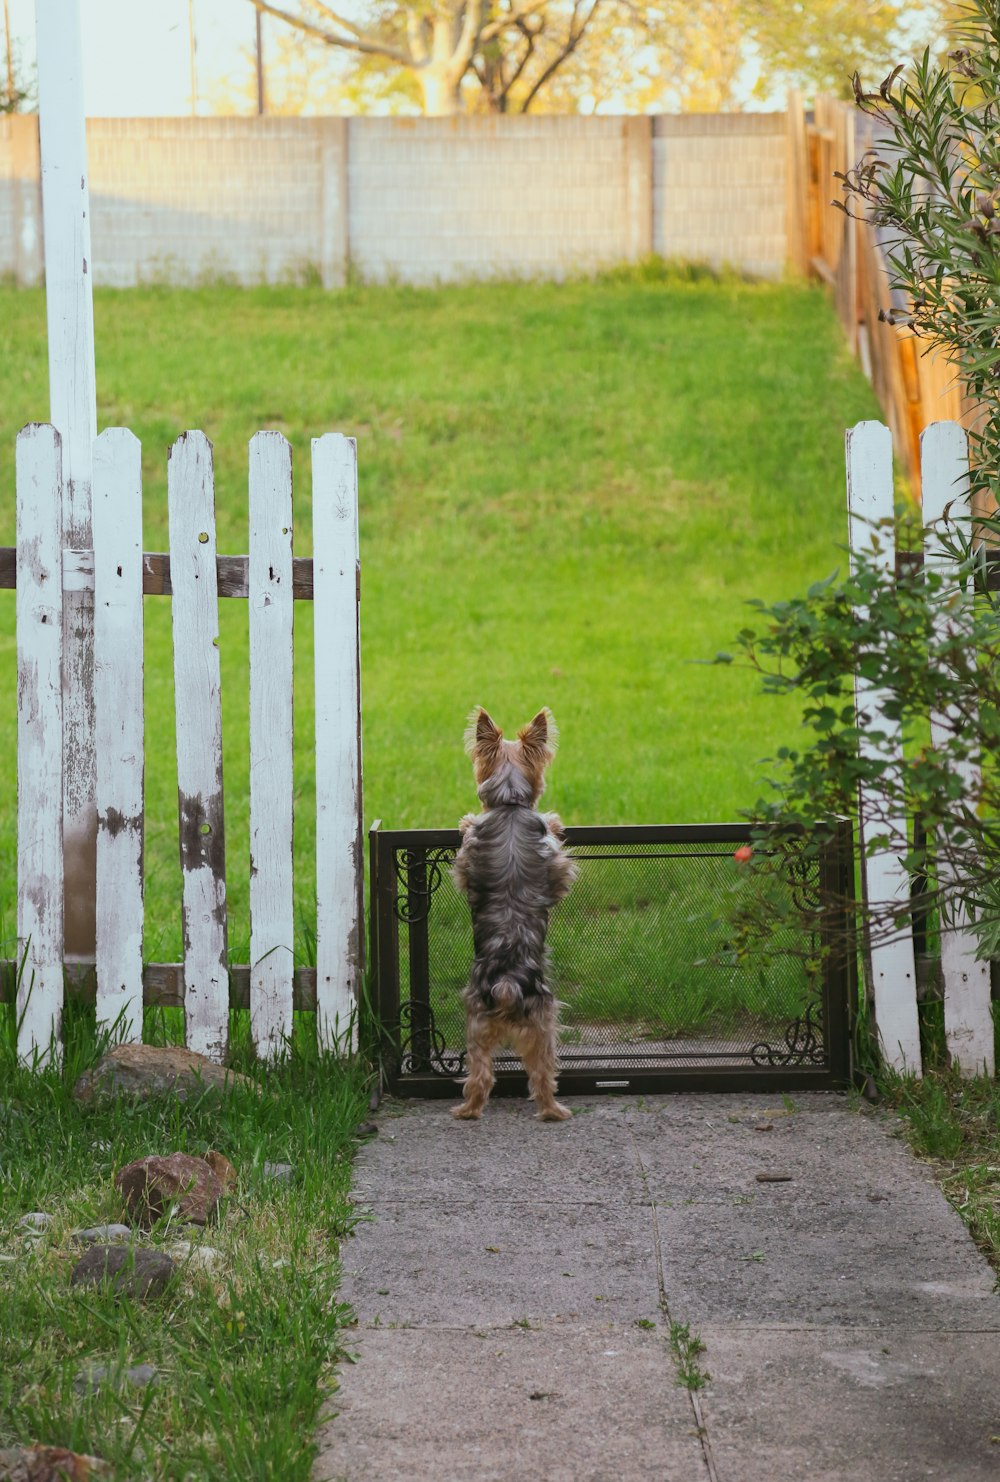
(73, 410)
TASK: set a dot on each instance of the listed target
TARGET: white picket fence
(891, 964)
(115, 570)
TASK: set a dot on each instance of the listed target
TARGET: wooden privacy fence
(915, 386)
(118, 573)
(891, 965)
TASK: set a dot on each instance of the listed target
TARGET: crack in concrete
(699, 1415)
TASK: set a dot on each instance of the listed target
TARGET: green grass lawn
(567, 493)
(245, 1351)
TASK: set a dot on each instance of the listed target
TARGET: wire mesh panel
(655, 990)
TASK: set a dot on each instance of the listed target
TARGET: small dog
(513, 869)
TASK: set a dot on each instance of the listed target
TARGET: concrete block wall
(420, 200)
(479, 197)
(178, 198)
(719, 189)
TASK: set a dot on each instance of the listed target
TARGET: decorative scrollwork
(803, 1044)
(803, 884)
(431, 1050)
(413, 900)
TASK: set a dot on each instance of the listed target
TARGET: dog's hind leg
(536, 1045)
(480, 1039)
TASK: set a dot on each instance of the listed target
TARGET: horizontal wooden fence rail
(163, 984)
(43, 571)
(232, 573)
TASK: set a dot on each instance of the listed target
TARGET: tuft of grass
(954, 1123)
(686, 1348)
(568, 491)
(244, 1352)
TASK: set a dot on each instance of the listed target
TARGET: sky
(136, 53)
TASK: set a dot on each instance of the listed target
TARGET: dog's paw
(466, 1113)
(555, 1113)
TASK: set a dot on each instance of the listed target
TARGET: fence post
(892, 962)
(119, 728)
(968, 1018)
(796, 186)
(39, 609)
(73, 403)
(339, 859)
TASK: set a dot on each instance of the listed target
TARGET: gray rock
(145, 1071)
(102, 1235)
(35, 1221)
(91, 1377)
(282, 1173)
(131, 1271)
(142, 1375)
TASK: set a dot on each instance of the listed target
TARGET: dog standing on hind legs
(512, 866)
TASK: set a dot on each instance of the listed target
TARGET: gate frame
(838, 995)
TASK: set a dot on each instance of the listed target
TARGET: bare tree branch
(492, 29)
(572, 42)
(358, 41)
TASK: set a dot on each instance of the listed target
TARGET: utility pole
(260, 66)
(10, 55)
(193, 49)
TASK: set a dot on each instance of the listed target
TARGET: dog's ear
(482, 737)
(540, 738)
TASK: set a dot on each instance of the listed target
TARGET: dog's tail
(506, 994)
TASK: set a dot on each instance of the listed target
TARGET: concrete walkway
(517, 1283)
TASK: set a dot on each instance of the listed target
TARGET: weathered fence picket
(198, 706)
(891, 958)
(339, 859)
(39, 611)
(272, 916)
(968, 1018)
(119, 728)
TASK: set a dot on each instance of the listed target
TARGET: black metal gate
(654, 998)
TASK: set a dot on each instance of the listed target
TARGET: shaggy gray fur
(513, 869)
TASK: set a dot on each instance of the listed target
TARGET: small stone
(222, 1168)
(144, 1071)
(92, 1376)
(153, 1186)
(196, 1257)
(141, 1375)
(35, 1221)
(49, 1464)
(88, 1380)
(131, 1271)
(102, 1235)
(282, 1173)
